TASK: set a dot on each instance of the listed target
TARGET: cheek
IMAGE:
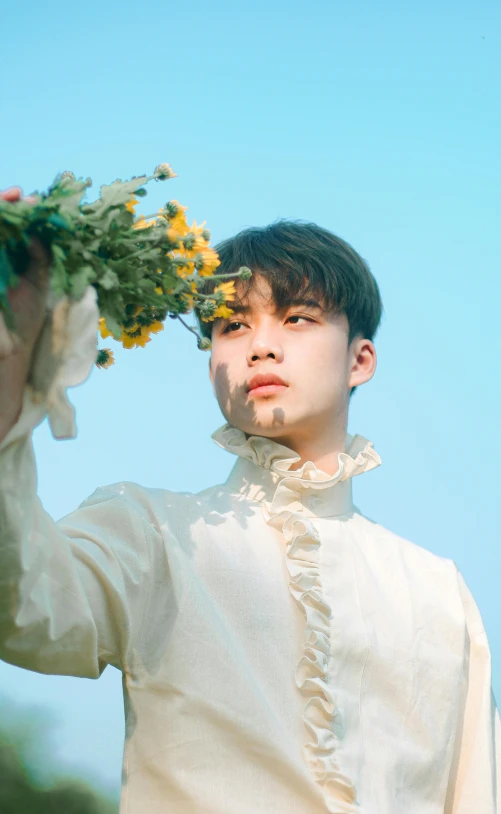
(324, 355)
(227, 376)
(324, 366)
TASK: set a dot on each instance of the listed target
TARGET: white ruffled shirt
(281, 652)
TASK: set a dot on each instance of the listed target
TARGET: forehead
(257, 294)
(258, 287)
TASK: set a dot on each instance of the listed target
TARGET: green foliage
(22, 746)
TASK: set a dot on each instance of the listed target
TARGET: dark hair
(303, 259)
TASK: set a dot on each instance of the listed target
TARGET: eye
(230, 326)
(234, 326)
(298, 316)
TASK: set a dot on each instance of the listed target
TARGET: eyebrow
(241, 308)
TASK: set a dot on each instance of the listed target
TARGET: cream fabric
(281, 652)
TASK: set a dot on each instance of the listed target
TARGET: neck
(322, 448)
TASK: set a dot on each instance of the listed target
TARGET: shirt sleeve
(475, 780)
(72, 593)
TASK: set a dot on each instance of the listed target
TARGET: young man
(281, 653)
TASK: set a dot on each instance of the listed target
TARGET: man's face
(303, 345)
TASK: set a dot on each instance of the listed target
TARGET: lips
(262, 379)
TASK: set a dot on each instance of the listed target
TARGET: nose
(264, 345)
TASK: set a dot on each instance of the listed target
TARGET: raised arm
(73, 593)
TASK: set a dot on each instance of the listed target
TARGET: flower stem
(155, 215)
(193, 330)
(212, 276)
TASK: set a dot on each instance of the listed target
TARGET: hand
(28, 303)
(28, 298)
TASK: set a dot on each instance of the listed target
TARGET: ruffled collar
(263, 465)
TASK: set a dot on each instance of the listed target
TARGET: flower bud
(163, 172)
(189, 241)
(171, 209)
(204, 344)
(244, 273)
(207, 308)
(105, 358)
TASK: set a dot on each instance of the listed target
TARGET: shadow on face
(239, 410)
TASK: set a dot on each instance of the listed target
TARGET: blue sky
(380, 121)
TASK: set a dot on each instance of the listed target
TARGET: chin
(271, 425)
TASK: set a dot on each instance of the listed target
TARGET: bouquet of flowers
(143, 268)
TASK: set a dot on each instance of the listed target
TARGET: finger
(38, 270)
(6, 340)
(11, 194)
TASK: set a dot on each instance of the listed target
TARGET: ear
(211, 374)
(363, 360)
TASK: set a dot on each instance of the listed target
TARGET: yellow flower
(201, 243)
(179, 225)
(105, 358)
(188, 298)
(141, 339)
(142, 223)
(159, 290)
(221, 312)
(129, 341)
(211, 262)
(131, 205)
(181, 209)
(178, 222)
(172, 235)
(154, 328)
(228, 289)
(197, 230)
(103, 328)
(185, 271)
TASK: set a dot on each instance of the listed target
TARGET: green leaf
(58, 277)
(6, 271)
(109, 280)
(14, 214)
(80, 280)
(150, 254)
(146, 285)
(58, 222)
(70, 203)
(114, 326)
(119, 192)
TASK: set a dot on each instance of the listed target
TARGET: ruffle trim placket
(320, 714)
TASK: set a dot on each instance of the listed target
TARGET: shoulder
(154, 504)
(410, 572)
(401, 553)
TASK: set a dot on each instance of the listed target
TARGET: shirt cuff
(64, 357)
